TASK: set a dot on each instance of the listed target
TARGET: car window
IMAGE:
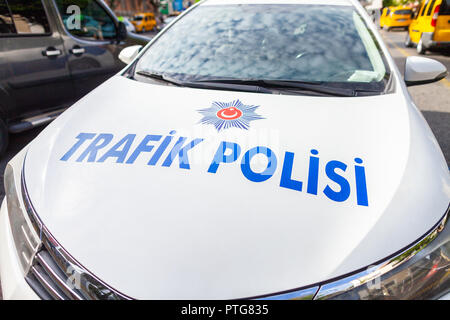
(93, 22)
(23, 17)
(430, 8)
(417, 13)
(424, 8)
(445, 8)
(270, 42)
(6, 22)
(403, 12)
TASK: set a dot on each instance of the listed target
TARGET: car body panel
(442, 32)
(422, 23)
(391, 19)
(168, 232)
(28, 77)
(148, 22)
(13, 283)
(173, 228)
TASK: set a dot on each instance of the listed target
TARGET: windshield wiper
(205, 84)
(313, 86)
(159, 76)
(252, 85)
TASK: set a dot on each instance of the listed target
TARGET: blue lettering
(143, 147)
(162, 147)
(82, 137)
(267, 173)
(313, 173)
(91, 151)
(344, 193)
(181, 152)
(119, 154)
(286, 180)
(220, 156)
(361, 186)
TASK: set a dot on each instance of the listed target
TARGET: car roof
(316, 2)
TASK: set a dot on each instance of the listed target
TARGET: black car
(53, 52)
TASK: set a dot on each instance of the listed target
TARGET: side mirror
(121, 31)
(419, 70)
(129, 53)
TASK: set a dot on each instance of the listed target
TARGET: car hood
(196, 224)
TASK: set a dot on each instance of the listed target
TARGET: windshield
(311, 43)
(137, 18)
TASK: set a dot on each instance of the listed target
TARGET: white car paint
(175, 228)
(155, 232)
(129, 26)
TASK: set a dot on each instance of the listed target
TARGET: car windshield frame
(384, 86)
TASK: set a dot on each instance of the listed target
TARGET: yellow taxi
(396, 17)
(144, 22)
(430, 27)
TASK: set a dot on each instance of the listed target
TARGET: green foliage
(388, 3)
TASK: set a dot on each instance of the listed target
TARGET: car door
(442, 32)
(383, 17)
(414, 28)
(147, 23)
(34, 70)
(90, 35)
(428, 16)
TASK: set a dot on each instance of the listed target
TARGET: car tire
(143, 30)
(4, 137)
(408, 42)
(420, 48)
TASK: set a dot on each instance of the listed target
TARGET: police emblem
(224, 115)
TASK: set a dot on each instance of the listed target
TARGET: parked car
(430, 28)
(243, 153)
(50, 58)
(144, 22)
(130, 27)
(396, 17)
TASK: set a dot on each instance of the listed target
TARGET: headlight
(49, 270)
(419, 272)
(26, 239)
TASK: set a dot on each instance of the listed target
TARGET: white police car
(254, 149)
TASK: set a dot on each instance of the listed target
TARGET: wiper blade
(159, 76)
(251, 85)
(204, 84)
(227, 86)
(314, 86)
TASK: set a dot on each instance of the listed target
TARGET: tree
(156, 4)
